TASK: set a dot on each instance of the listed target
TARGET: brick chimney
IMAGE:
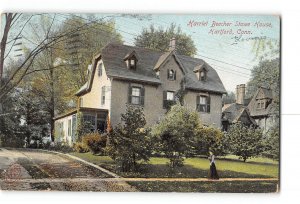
(240, 94)
(172, 45)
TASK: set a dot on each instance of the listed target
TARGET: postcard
(140, 102)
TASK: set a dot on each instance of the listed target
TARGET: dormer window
(100, 69)
(201, 72)
(202, 76)
(171, 74)
(131, 60)
(132, 63)
(261, 104)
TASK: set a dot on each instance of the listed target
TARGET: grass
(193, 167)
(228, 167)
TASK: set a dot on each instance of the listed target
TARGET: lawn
(228, 167)
(193, 167)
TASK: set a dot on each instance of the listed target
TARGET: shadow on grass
(208, 187)
(187, 171)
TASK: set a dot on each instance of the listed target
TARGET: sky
(223, 41)
(230, 53)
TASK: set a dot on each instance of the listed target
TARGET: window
(168, 99)
(89, 122)
(171, 74)
(202, 75)
(132, 63)
(203, 104)
(136, 95)
(69, 127)
(103, 95)
(170, 96)
(100, 67)
(260, 104)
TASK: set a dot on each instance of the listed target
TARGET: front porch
(66, 125)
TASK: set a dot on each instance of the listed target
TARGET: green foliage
(175, 133)
(95, 142)
(129, 142)
(210, 139)
(228, 98)
(272, 144)
(159, 39)
(266, 74)
(245, 142)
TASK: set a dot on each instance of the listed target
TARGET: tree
(130, 142)
(244, 142)
(210, 139)
(159, 39)
(272, 143)
(228, 98)
(52, 69)
(76, 53)
(265, 74)
(175, 133)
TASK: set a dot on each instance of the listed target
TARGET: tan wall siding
(212, 118)
(153, 106)
(93, 98)
(65, 137)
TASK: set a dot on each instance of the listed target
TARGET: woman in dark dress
(212, 174)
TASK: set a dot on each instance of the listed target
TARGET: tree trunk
(9, 18)
(52, 95)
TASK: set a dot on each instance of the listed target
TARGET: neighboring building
(123, 74)
(238, 111)
(262, 108)
(258, 112)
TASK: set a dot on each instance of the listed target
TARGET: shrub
(80, 147)
(130, 142)
(95, 142)
(175, 134)
(61, 147)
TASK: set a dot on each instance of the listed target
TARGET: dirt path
(32, 170)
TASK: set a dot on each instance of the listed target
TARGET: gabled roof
(261, 93)
(113, 58)
(233, 113)
(164, 58)
(200, 67)
(130, 55)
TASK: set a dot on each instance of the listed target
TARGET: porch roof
(81, 109)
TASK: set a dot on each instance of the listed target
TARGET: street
(36, 170)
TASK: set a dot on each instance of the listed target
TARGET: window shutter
(168, 73)
(164, 99)
(142, 95)
(129, 93)
(208, 104)
(198, 103)
(174, 75)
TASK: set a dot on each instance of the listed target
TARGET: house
(123, 74)
(238, 111)
(262, 108)
(259, 111)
